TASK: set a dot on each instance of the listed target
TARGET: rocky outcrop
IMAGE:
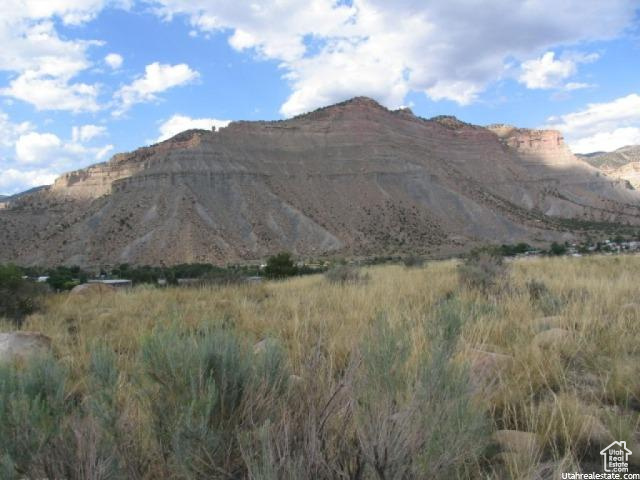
(348, 179)
(22, 345)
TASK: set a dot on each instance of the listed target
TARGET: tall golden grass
(574, 390)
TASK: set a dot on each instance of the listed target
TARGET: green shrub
(413, 261)
(543, 298)
(280, 266)
(416, 422)
(557, 249)
(18, 297)
(203, 391)
(483, 270)
(32, 408)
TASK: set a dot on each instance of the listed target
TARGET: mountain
(349, 179)
(615, 159)
(8, 198)
(623, 163)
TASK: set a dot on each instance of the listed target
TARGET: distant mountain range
(623, 163)
(7, 198)
(351, 179)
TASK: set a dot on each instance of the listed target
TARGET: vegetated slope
(350, 179)
(623, 163)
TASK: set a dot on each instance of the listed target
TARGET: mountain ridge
(352, 178)
(623, 163)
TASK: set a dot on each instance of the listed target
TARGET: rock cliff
(348, 179)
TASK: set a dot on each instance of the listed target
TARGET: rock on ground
(21, 345)
(92, 288)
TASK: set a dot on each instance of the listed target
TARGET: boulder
(261, 346)
(486, 368)
(552, 338)
(92, 289)
(21, 345)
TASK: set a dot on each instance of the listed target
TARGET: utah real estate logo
(615, 457)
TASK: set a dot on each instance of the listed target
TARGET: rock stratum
(348, 179)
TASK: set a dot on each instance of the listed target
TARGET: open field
(404, 374)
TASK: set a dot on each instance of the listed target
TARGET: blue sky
(81, 80)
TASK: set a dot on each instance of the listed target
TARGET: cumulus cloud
(53, 93)
(548, 72)
(14, 181)
(157, 78)
(601, 126)
(10, 132)
(114, 60)
(451, 50)
(38, 157)
(37, 148)
(85, 133)
(46, 64)
(180, 123)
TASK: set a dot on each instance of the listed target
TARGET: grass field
(405, 374)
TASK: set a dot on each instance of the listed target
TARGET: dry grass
(574, 392)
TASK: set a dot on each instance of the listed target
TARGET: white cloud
(9, 131)
(607, 141)
(452, 50)
(37, 148)
(53, 93)
(14, 181)
(180, 123)
(45, 63)
(114, 60)
(601, 126)
(86, 133)
(40, 157)
(577, 86)
(156, 79)
(548, 72)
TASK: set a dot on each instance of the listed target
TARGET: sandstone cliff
(350, 179)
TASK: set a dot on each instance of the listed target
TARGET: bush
(18, 297)
(512, 250)
(203, 391)
(543, 298)
(32, 407)
(557, 249)
(343, 274)
(416, 422)
(280, 266)
(413, 261)
(482, 270)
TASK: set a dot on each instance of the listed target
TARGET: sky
(81, 80)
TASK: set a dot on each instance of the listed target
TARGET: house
(615, 457)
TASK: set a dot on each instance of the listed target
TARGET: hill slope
(352, 178)
(623, 163)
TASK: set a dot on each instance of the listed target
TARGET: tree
(558, 249)
(18, 297)
(280, 266)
